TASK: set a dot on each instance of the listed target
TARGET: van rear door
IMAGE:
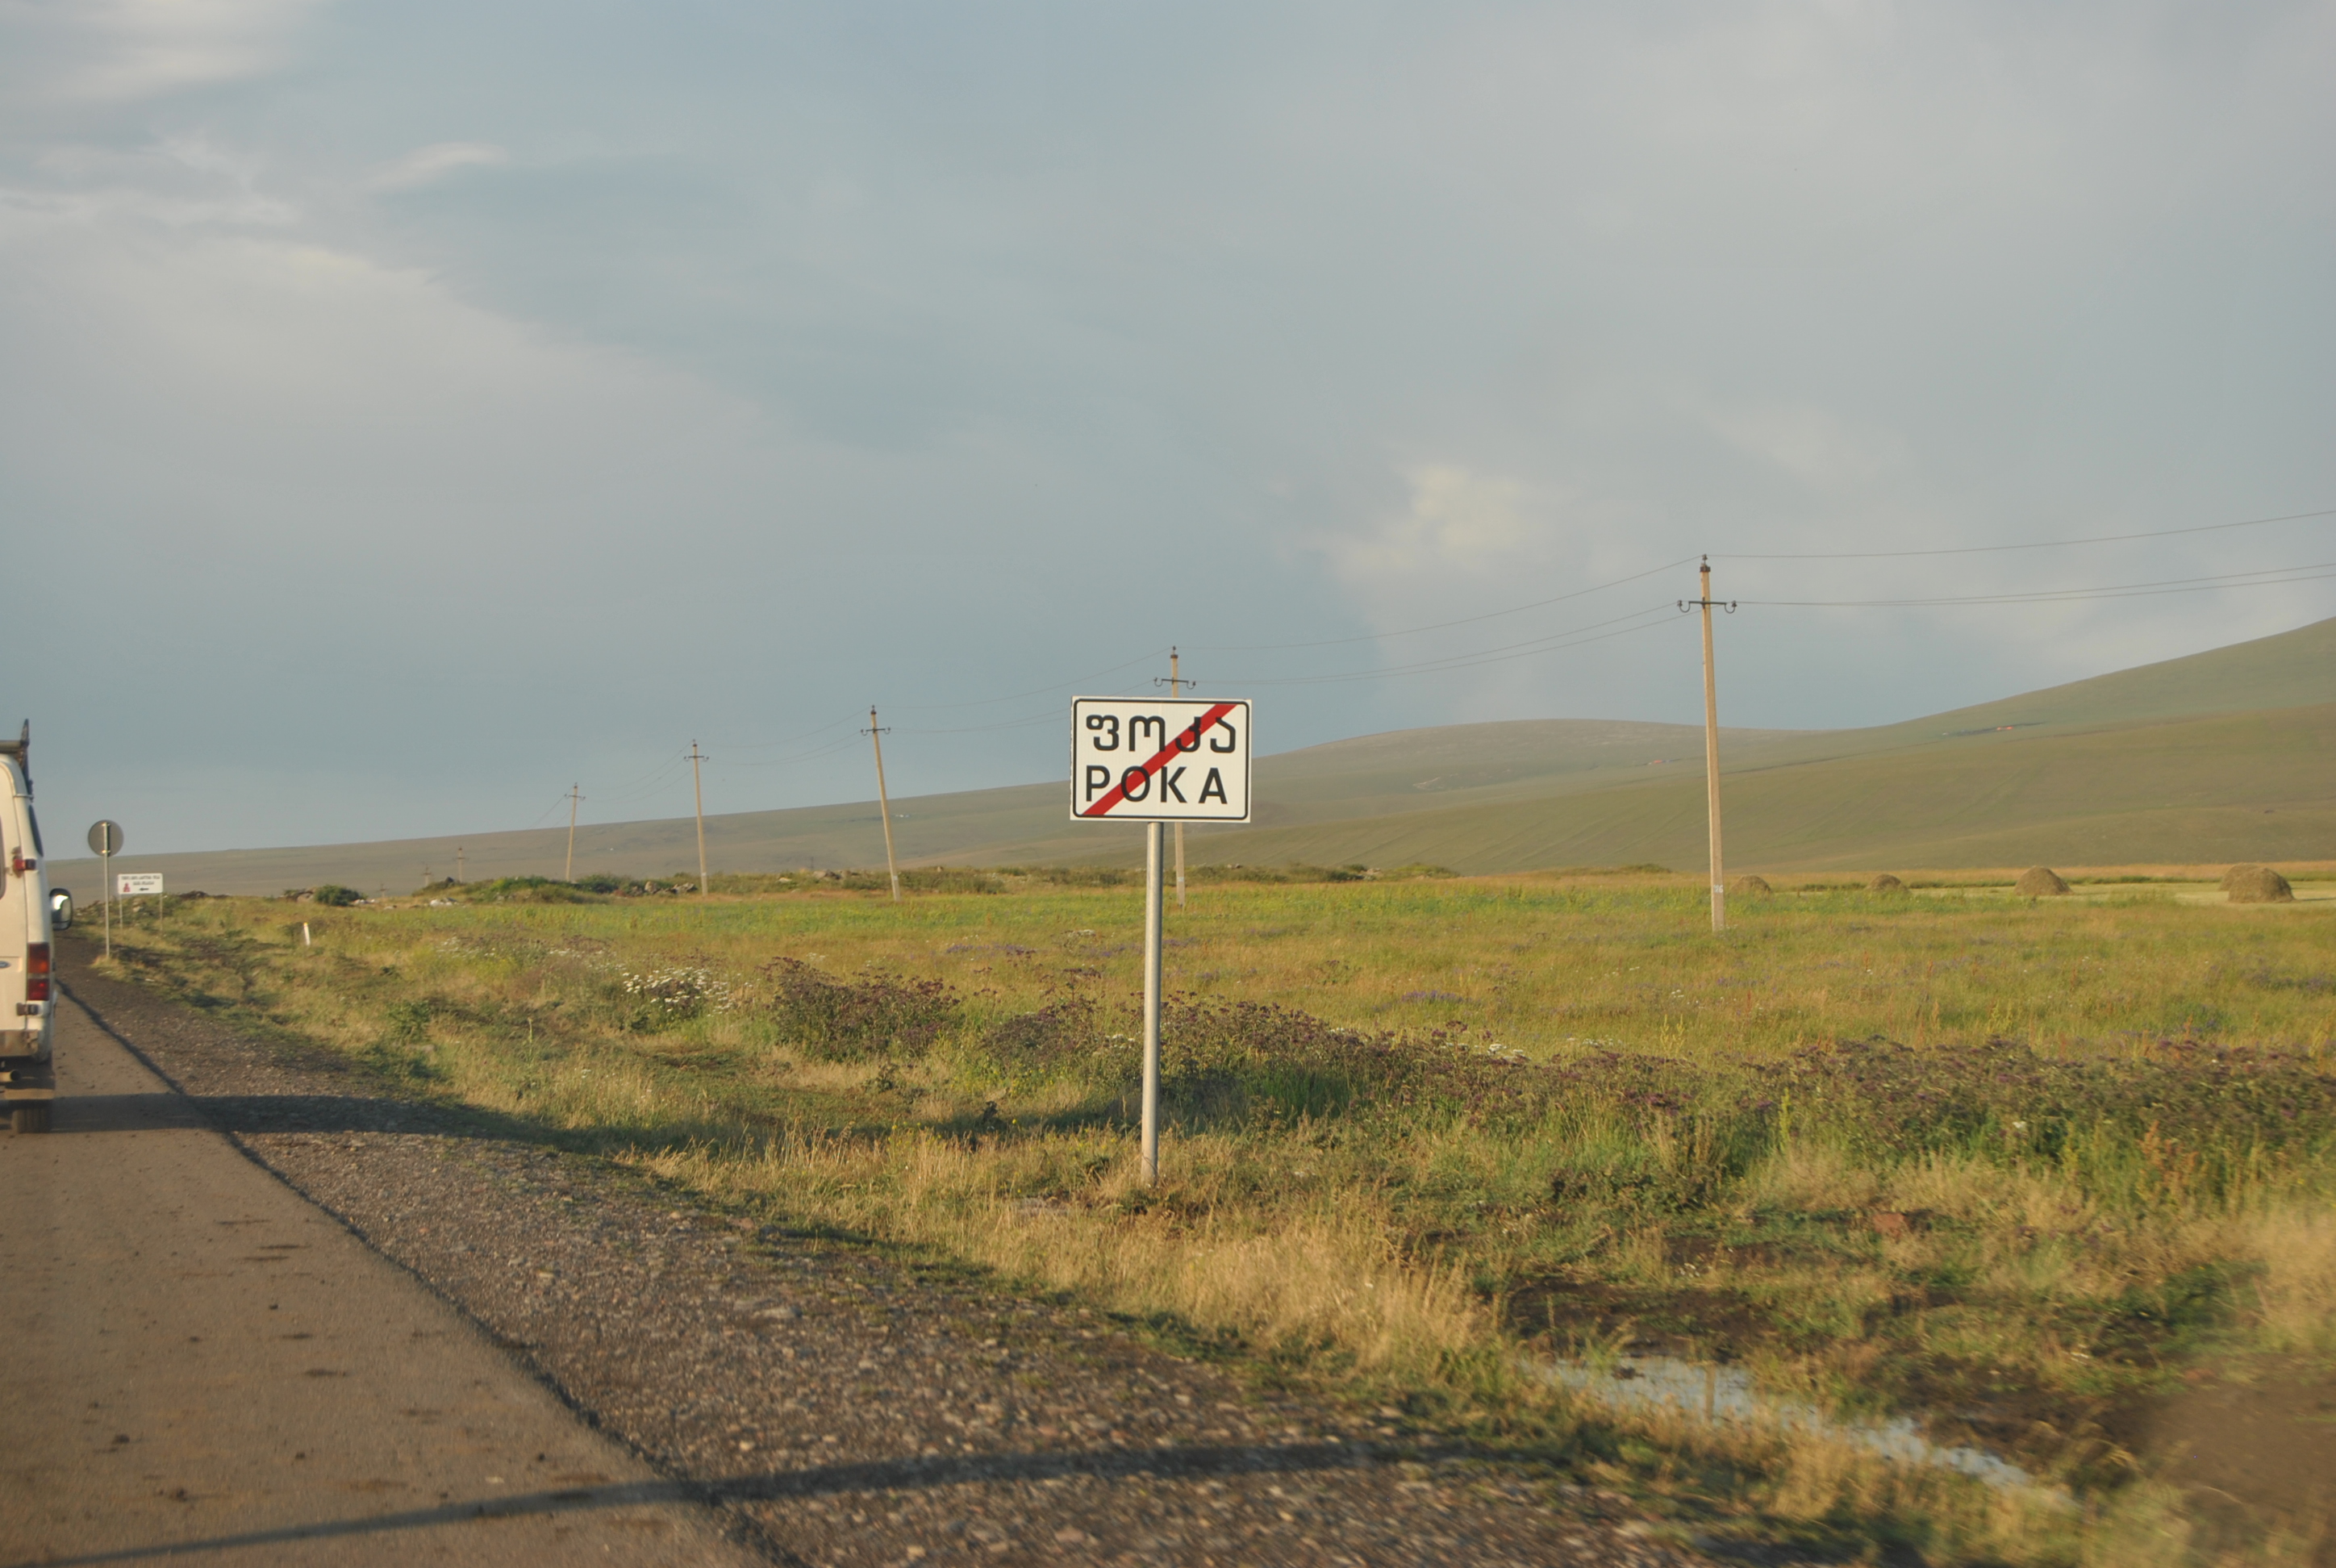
(26, 985)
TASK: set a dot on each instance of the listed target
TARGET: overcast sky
(408, 410)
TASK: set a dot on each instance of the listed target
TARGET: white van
(28, 1081)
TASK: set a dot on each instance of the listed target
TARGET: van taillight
(37, 972)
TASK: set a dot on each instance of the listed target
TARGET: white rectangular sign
(1176, 760)
(137, 885)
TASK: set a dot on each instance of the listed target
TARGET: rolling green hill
(2228, 755)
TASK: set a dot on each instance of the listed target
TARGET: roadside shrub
(1885, 884)
(521, 891)
(679, 991)
(951, 880)
(338, 896)
(1081, 876)
(1229, 1057)
(409, 1020)
(1300, 871)
(2214, 1110)
(1069, 1030)
(1230, 1060)
(877, 1016)
(1636, 869)
(1665, 1163)
(599, 882)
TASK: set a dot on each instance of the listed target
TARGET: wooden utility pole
(574, 798)
(1176, 689)
(1712, 743)
(697, 786)
(884, 804)
(458, 862)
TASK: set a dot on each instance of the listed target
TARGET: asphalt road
(204, 1366)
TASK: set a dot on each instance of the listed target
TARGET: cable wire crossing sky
(409, 413)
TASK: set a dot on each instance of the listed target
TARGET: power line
(556, 802)
(654, 774)
(1557, 641)
(2038, 544)
(1619, 626)
(830, 749)
(1554, 643)
(792, 740)
(1597, 631)
(2269, 577)
(1053, 714)
(1035, 691)
(1441, 624)
(666, 778)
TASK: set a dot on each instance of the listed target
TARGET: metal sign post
(105, 842)
(1156, 762)
(1153, 908)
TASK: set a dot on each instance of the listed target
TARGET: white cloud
(427, 165)
(1809, 443)
(115, 50)
(182, 181)
(1459, 520)
(267, 382)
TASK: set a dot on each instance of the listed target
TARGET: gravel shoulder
(204, 1366)
(840, 1404)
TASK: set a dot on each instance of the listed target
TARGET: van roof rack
(21, 748)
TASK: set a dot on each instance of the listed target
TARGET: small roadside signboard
(137, 885)
(105, 842)
(1146, 760)
(1155, 762)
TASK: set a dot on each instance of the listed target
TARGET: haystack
(1885, 884)
(2039, 882)
(2257, 885)
(1749, 887)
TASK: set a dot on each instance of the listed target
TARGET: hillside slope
(2221, 756)
(2220, 788)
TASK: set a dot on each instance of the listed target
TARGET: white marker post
(1156, 762)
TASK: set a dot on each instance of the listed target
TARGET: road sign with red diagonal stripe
(1148, 760)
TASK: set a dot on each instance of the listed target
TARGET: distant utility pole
(1176, 689)
(697, 786)
(1711, 742)
(884, 804)
(574, 799)
(458, 862)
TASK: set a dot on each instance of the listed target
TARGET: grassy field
(2017, 1169)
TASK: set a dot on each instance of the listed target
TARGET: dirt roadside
(201, 1363)
(846, 1407)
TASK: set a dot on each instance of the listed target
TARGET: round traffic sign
(105, 837)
